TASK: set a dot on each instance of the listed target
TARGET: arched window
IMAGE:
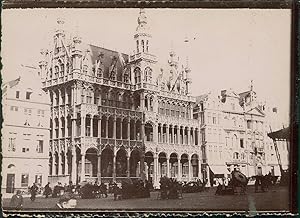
(148, 74)
(235, 155)
(143, 46)
(137, 75)
(99, 72)
(62, 69)
(137, 46)
(151, 103)
(85, 69)
(234, 141)
(234, 121)
(147, 46)
(56, 71)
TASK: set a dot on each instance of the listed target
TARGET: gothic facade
(116, 116)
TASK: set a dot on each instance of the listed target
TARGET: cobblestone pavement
(276, 199)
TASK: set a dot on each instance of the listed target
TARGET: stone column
(142, 167)
(168, 167)
(66, 96)
(181, 136)
(106, 129)
(179, 169)
(158, 133)
(208, 176)
(115, 128)
(199, 170)
(72, 95)
(188, 136)
(82, 125)
(82, 177)
(172, 135)
(128, 166)
(142, 132)
(121, 129)
(59, 161)
(155, 171)
(99, 127)
(66, 163)
(91, 123)
(142, 99)
(190, 168)
(114, 167)
(178, 135)
(99, 167)
(134, 130)
(74, 166)
(66, 126)
(53, 165)
(128, 129)
(167, 134)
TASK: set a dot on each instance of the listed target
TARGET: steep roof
(201, 98)
(107, 58)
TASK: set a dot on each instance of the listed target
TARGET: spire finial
(142, 19)
(251, 85)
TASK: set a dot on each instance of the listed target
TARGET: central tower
(142, 61)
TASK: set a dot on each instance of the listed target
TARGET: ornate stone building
(25, 132)
(233, 134)
(116, 116)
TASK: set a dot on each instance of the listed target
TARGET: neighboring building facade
(117, 116)
(233, 130)
(273, 125)
(25, 132)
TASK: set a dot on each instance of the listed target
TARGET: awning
(219, 169)
(280, 134)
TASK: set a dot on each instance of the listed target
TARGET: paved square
(276, 199)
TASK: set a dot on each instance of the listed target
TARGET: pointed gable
(255, 111)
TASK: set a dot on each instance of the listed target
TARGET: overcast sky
(227, 47)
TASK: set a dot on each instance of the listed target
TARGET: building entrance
(10, 183)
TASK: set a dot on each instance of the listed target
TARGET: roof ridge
(107, 49)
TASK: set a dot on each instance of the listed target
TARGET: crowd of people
(169, 189)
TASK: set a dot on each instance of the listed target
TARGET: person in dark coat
(48, 190)
(33, 191)
(16, 201)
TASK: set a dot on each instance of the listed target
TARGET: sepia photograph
(146, 109)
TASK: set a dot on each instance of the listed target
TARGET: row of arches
(124, 163)
(173, 165)
(94, 164)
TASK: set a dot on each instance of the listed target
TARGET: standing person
(48, 190)
(16, 201)
(33, 190)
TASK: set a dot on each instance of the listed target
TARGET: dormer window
(85, 69)
(28, 95)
